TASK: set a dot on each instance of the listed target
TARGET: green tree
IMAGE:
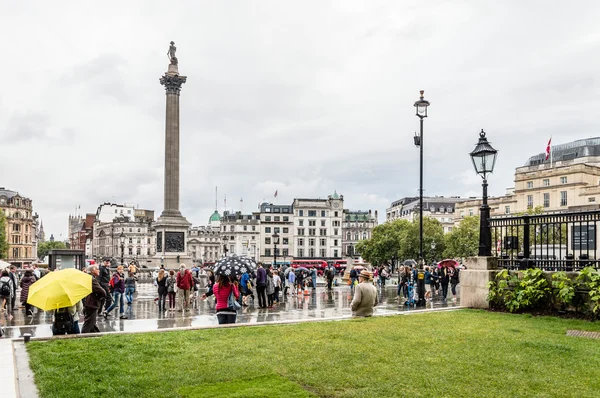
(44, 248)
(3, 238)
(387, 241)
(463, 240)
(433, 240)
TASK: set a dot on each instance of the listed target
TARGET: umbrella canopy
(300, 269)
(60, 289)
(409, 263)
(234, 266)
(4, 264)
(358, 267)
(448, 263)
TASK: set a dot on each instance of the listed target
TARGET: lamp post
(275, 243)
(122, 240)
(225, 240)
(484, 160)
(421, 106)
(433, 251)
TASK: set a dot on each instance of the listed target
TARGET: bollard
(26, 337)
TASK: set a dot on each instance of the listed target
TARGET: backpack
(5, 289)
(63, 321)
(111, 283)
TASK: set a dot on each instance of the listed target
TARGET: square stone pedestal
(171, 242)
(474, 280)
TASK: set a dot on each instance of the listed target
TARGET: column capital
(172, 83)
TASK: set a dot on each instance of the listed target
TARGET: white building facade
(240, 234)
(276, 219)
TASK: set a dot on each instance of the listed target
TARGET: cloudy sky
(299, 97)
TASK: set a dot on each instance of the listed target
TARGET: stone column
(172, 82)
(474, 280)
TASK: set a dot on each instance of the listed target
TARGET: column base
(474, 280)
(171, 241)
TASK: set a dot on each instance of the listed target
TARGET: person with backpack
(171, 289)
(27, 281)
(6, 293)
(117, 283)
(93, 302)
(66, 320)
(453, 281)
(221, 290)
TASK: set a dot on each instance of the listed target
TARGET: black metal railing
(565, 241)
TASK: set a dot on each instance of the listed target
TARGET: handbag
(232, 303)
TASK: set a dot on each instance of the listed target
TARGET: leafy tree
(463, 240)
(3, 238)
(433, 240)
(44, 248)
(387, 241)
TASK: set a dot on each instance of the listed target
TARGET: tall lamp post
(433, 251)
(421, 106)
(484, 160)
(275, 243)
(225, 240)
(122, 240)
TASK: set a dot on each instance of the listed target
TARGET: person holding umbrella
(222, 290)
(93, 302)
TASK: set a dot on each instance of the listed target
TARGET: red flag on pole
(548, 148)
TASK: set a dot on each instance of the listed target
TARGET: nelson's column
(171, 227)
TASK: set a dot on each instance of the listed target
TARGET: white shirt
(277, 280)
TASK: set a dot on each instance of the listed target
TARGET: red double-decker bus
(340, 265)
(320, 265)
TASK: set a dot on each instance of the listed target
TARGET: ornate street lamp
(421, 108)
(433, 251)
(484, 160)
(122, 240)
(275, 243)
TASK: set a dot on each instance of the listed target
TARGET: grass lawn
(465, 353)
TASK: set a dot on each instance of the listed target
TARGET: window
(301, 213)
(16, 227)
(529, 184)
(139, 251)
(139, 230)
(563, 198)
(322, 223)
(530, 201)
(323, 253)
(268, 209)
(563, 180)
(311, 242)
(130, 230)
(267, 218)
(312, 232)
(546, 182)
(506, 209)
(311, 252)
(130, 251)
(300, 231)
(335, 242)
(276, 230)
(267, 241)
(285, 252)
(245, 227)
(300, 241)
(231, 228)
(268, 252)
(546, 200)
(300, 252)
(148, 252)
(254, 227)
(592, 199)
(267, 230)
(312, 213)
(322, 242)
(470, 212)
(323, 232)
(130, 240)
(276, 218)
(301, 223)
(286, 230)
(335, 214)
(284, 241)
(312, 223)
(364, 236)
(322, 213)
(286, 219)
(335, 253)
(335, 232)
(348, 236)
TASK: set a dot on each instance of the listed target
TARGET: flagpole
(551, 165)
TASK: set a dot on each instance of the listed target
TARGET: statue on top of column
(171, 53)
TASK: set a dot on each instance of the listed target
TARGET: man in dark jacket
(330, 276)
(261, 286)
(104, 279)
(15, 280)
(93, 302)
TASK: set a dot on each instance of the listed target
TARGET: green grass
(465, 353)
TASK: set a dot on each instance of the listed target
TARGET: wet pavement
(143, 315)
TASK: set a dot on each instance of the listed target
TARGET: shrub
(564, 289)
(515, 294)
(591, 280)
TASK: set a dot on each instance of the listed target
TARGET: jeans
(262, 298)
(314, 283)
(108, 300)
(117, 297)
(444, 290)
(129, 290)
(162, 296)
(226, 318)
(453, 286)
(171, 300)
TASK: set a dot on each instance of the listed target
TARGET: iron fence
(566, 241)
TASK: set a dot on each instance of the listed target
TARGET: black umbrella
(234, 266)
(300, 269)
(409, 263)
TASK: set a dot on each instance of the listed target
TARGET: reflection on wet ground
(143, 315)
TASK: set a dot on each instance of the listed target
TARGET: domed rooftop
(215, 217)
(335, 195)
(5, 192)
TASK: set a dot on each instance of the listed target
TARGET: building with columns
(240, 234)
(21, 223)
(318, 227)
(204, 242)
(357, 225)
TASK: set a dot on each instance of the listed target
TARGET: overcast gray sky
(302, 97)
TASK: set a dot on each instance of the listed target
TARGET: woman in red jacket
(221, 290)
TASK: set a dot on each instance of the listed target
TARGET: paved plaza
(143, 315)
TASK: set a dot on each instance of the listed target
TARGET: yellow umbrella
(60, 289)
